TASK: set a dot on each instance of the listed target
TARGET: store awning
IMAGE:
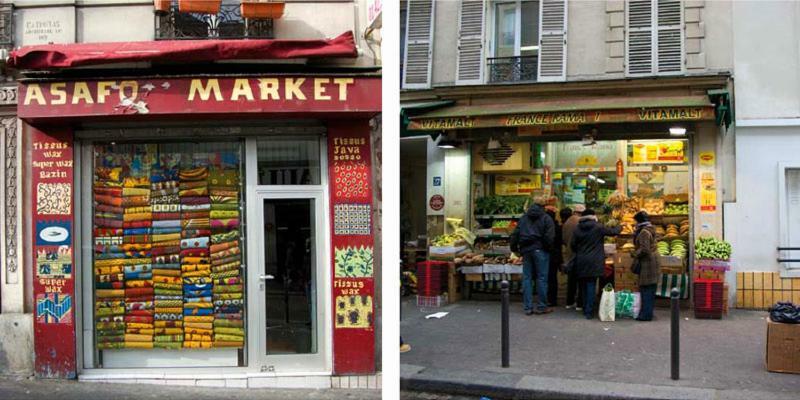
(563, 112)
(409, 110)
(178, 51)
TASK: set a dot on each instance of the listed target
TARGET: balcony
(512, 69)
(228, 23)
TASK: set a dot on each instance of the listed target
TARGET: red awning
(74, 55)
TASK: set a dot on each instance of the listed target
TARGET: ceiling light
(677, 131)
(447, 144)
(592, 177)
(600, 181)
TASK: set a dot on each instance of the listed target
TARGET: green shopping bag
(624, 304)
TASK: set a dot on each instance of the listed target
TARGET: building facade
(200, 191)
(575, 90)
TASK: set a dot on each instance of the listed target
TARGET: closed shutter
(639, 43)
(553, 41)
(469, 66)
(670, 37)
(419, 44)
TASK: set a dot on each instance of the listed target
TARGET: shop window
(167, 233)
(789, 199)
(289, 161)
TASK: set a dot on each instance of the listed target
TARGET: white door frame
(322, 360)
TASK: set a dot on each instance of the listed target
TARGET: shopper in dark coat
(570, 224)
(646, 256)
(556, 260)
(534, 237)
(587, 244)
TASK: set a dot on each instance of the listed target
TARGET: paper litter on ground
(437, 315)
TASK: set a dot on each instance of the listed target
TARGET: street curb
(515, 386)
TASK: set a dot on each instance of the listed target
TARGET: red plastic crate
(431, 277)
(708, 298)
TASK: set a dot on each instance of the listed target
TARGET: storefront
(616, 154)
(207, 225)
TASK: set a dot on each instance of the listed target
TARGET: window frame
(654, 29)
(492, 24)
(787, 270)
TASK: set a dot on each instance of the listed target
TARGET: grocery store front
(614, 154)
(203, 227)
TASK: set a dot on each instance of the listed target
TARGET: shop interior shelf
(666, 216)
(494, 236)
(498, 216)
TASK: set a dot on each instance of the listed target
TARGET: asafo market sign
(565, 118)
(261, 94)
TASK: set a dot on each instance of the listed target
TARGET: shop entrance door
(291, 309)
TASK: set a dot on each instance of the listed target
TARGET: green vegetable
(713, 249)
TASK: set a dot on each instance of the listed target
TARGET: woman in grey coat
(646, 256)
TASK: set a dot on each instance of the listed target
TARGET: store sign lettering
(445, 123)
(251, 90)
(547, 119)
(670, 114)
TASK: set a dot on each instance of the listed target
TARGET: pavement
(14, 388)
(563, 355)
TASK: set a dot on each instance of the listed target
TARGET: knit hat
(641, 216)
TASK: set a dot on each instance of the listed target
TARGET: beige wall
(586, 44)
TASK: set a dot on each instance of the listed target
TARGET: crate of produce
(447, 253)
(513, 269)
(712, 265)
(494, 268)
(431, 301)
(471, 269)
(431, 277)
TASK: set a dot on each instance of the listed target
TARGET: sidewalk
(564, 354)
(12, 388)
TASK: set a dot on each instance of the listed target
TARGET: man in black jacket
(533, 238)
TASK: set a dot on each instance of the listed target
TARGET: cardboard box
(453, 284)
(783, 347)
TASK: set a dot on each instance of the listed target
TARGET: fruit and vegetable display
(676, 209)
(494, 205)
(450, 239)
(504, 225)
(653, 206)
(470, 259)
(712, 249)
(674, 248)
(509, 259)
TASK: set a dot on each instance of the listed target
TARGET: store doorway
(291, 309)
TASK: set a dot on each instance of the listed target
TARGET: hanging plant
(199, 6)
(262, 10)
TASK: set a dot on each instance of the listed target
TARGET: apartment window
(654, 37)
(516, 42)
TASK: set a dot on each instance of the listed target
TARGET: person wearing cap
(533, 238)
(646, 262)
(587, 244)
(567, 228)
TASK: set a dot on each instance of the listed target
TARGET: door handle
(266, 277)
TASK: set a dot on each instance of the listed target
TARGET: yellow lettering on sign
(212, 86)
(81, 91)
(319, 90)
(269, 89)
(59, 93)
(343, 82)
(241, 88)
(133, 85)
(103, 90)
(292, 88)
(34, 92)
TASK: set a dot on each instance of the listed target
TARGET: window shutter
(670, 38)
(639, 43)
(419, 44)
(469, 66)
(553, 41)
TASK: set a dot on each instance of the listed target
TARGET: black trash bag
(786, 313)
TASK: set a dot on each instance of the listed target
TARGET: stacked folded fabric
(166, 259)
(226, 256)
(137, 267)
(109, 259)
(198, 316)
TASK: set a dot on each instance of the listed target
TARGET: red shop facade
(202, 225)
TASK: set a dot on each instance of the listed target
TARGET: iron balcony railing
(512, 69)
(228, 23)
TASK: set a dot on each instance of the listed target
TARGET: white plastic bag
(607, 304)
(637, 304)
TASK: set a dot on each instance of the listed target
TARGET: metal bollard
(674, 332)
(504, 295)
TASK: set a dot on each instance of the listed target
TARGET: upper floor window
(516, 42)
(228, 23)
(654, 37)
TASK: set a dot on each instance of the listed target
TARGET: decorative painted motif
(353, 262)
(53, 233)
(352, 219)
(354, 311)
(53, 308)
(54, 263)
(54, 198)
